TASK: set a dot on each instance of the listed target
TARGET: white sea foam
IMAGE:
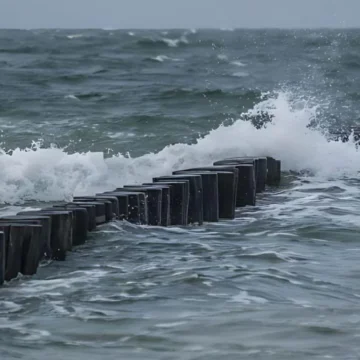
(171, 325)
(241, 74)
(175, 42)
(238, 63)
(120, 134)
(72, 97)
(246, 299)
(75, 36)
(162, 58)
(222, 57)
(52, 174)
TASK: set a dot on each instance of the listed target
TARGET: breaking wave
(49, 174)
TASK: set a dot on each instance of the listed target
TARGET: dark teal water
(83, 111)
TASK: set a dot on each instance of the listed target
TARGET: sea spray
(48, 174)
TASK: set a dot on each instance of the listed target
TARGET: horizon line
(187, 28)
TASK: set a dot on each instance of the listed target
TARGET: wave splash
(51, 174)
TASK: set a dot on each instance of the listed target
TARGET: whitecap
(72, 97)
(34, 334)
(121, 134)
(175, 42)
(170, 325)
(160, 58)
(100, 298)
(222, 57)
(246, 299)
(241, 74)
(238, 63)
(75, 36)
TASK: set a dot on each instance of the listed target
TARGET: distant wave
(241, 74)
(75, 36)
(90, 95)
(162, 58)
(86, 96)
(222, 57)
(163, 42)
(238, 63)
(71, 97)
(73, 77)
(216, 94)
(27, 49)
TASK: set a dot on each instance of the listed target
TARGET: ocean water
(83, 111)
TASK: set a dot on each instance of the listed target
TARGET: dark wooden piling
(165, 202)
(31, 249)
(2, 257)
(141, 209)
(90, 208)
(271, 171)
(61, 231)
(262, 173)
(123, 204)
(103, 212)
(195, 212)
(14, 238)
(22, 244)
(246, 189)
(100, 209)
(227, 188)
(210, 185)
(80, 223)
(179, 200)
(44, 221)
(114, 201)
(132, 213)
(244, 161)
(278, 172)
(154, 201)
(254, 161)
(260, 166)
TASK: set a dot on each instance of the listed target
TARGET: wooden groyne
(188, 196)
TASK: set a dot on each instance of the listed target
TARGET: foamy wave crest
(241, 74)
(72, 97)
(238, 63)
(222, 57)
(162, 58)
(74, 36)
(175, 42)
(163, 42)
(52, 174)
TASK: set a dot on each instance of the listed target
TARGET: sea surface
(83, 111)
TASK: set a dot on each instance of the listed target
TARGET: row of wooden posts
(189, 196)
